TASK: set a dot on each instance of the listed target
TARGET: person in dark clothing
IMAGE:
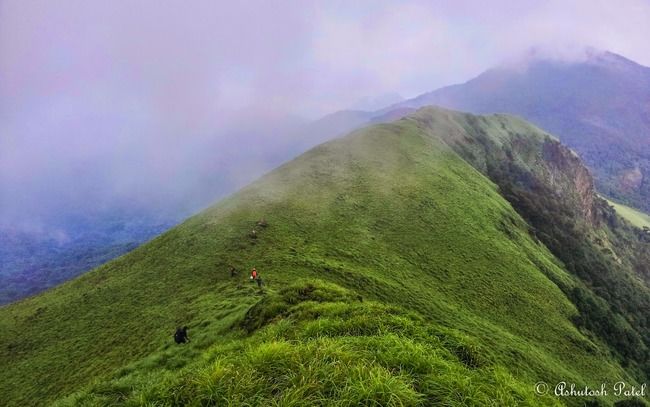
(181, 335)
(259, 281)
(233, 271)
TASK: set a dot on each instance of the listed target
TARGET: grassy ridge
(390, 215)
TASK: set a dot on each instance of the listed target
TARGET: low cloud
(103, 103)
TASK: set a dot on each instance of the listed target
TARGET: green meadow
(395, 274)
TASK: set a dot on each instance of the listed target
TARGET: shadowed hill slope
(395, 273)
(549, 186)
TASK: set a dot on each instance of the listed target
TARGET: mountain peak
(613, 60)
(570, 55)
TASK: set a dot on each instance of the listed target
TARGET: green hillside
(637, 218)
(396, 274)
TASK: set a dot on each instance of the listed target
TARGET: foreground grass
(355, 353)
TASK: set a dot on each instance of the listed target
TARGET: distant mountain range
(598, 104)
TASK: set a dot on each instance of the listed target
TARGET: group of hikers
(181, 333)
(254, 276)
(180, 336)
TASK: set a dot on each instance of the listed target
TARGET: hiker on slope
(181, 335)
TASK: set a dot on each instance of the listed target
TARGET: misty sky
(117, 98)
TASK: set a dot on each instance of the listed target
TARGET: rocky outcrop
(520, 158)
(569, 178)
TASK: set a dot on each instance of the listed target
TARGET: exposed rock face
(521, 159)
(570, 178)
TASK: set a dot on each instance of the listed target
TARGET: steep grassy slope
(396, 275)
(550, 187)
(77, 238)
